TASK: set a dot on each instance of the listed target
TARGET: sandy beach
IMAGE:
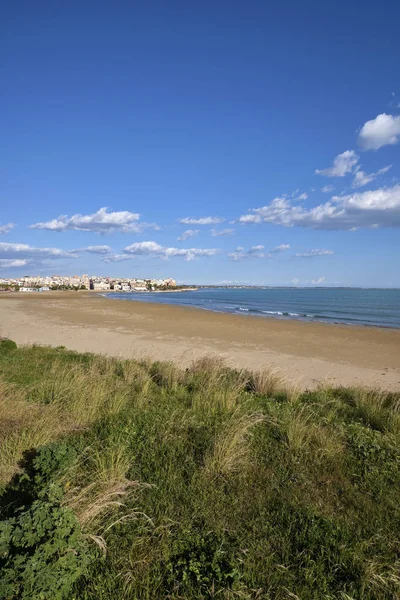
(306, 353)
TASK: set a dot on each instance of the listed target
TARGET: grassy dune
(137, 480)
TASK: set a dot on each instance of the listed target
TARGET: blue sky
(127, 125)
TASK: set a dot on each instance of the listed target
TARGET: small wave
(243, 309)
(272, 312)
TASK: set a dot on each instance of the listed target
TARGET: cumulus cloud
(222, 232)
(95, 249)
(280, 248)
(155, 250)
(201, 221)
(315, 252)
(188, 234)
(101, 221)
(254, 252)
(254, 218)
(327, 188)
(9, 263)
(302, 196)
(318, 281)
(361, 178)
(342, 165)
(6, 228)
(373, 208)
(25, 251)
(382, 131)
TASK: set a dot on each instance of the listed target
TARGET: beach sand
(306, 353)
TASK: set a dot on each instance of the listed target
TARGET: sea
(352, 306)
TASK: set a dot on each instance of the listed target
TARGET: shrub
(7, 345)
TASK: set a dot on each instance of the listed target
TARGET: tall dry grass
(66, 398)
(214, 386)
(266, 382)
(231, 452)
(23, 426)
(377, 409)
(306, 434)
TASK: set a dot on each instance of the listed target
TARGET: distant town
(39, 283)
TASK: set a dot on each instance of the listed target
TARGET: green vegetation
(76, 288)
(7, 345)
(139, 480)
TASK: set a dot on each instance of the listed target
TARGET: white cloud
(101, 221)
(24, 251)
(315, 252)
(327, 188)
(361, 178)
(6, 228)
(254, 218)
(318, 281)
(254, 252)
(342, 164)
(111, 258)
(382, 131)
(219, 232)
(373, 208)
(188, 234)
(96, 249)
(302, 196)
(271, 212)
(201, 220)
(6, 263)
(280, 248)
(295, 281)
(153, 249)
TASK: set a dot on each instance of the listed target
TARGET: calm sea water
(377, 307)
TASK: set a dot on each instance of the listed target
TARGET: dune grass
(207, 482)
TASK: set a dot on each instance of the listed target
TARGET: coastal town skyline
(85, 282)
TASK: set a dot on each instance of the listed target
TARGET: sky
(213, 142)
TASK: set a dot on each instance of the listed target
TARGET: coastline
(307, 353)
(250, 312)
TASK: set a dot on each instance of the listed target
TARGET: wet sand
(307, 353)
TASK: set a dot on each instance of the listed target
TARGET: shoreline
(256, 314)
(305, 352)
(252, 312)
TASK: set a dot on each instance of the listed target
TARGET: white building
(101, 285)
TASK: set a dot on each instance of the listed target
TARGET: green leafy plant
(42, 552)
(42, 549)
(200, 561)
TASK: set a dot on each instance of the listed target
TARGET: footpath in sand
(307, 353)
